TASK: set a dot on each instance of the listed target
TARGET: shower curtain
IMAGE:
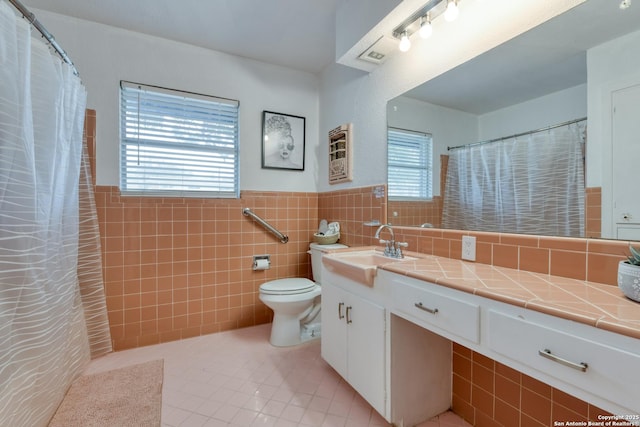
(46, 312)
(531, 184)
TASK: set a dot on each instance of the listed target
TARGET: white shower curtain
(43, 334)
(531, 184)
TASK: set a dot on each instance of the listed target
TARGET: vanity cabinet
(353, 341)
(392, 342)
(595, 365)
(567, 355)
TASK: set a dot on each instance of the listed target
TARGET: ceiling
(298, 34)
(546, 59)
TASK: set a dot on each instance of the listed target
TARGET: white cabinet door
(334, 328)
(353, 342)
(366, 350)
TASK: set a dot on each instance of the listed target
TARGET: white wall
(369, 13)
(448, 127)
(105, 55)
(558, 107)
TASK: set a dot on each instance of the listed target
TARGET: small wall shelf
(340, 157)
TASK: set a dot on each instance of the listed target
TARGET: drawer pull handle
(579, 366)
(340, 315)
(427, 309)
(348, 314)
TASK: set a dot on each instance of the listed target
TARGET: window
(409, 166)
(176, 143)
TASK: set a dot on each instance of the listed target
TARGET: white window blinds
(409, 164)
(176, 143)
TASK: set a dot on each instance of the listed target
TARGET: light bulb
(452, 11)
(624, 4)
(405, 43)
(425, 28)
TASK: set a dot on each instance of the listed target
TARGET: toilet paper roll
(261, 264)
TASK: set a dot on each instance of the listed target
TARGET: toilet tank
(316, 250)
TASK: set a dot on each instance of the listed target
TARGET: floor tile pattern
(236, 378)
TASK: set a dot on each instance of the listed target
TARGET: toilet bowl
(296, 303)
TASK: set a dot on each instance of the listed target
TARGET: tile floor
(237, 378)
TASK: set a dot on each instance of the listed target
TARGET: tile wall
(414, 214)
(353, 208)
(176, 268)
(593, 212)
(489, 394)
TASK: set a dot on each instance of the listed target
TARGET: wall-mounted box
(340, 157)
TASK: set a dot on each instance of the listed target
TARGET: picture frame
(283, 141)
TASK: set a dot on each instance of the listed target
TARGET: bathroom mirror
(554, 73)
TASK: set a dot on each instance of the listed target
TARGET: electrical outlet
(469, 248)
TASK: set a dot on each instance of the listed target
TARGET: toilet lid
(287, 286)
(327, 247)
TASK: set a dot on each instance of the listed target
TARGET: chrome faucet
(382, 227)
(392, 248)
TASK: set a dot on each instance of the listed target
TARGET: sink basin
(359, 265)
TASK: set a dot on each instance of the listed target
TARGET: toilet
(296, 302)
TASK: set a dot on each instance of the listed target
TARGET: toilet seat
(290, 286)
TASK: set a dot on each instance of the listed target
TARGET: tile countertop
(595, 304)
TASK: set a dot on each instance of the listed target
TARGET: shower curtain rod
(570, 122)
(46, 34)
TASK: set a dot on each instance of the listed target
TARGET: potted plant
(629, 275)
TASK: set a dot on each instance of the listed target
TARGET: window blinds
(409, 168)
(177, 143)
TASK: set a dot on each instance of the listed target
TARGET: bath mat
(129, 396)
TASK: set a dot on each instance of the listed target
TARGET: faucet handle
(388, 245)
(399, 246)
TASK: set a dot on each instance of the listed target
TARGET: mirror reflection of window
(410, 164)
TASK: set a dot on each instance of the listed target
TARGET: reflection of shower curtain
(43, 304)
(531, 184)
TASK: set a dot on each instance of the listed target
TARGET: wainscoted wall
(593, 212)
(176, 268)
(414, 214)
(352, 208)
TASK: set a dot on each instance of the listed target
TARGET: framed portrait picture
(282, 141)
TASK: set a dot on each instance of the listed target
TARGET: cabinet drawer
(561, 353)
(427, 306)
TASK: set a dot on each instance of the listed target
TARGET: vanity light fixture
(451, 14)
(425, 27)
(420, 21)
(405, 43)
(624, 4)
